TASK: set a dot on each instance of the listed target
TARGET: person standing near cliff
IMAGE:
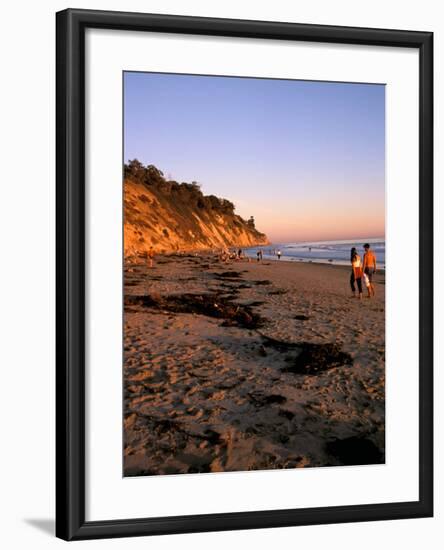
(150, 256)
(279, 254)
(259, 255)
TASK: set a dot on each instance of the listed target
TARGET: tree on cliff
(153, 174)
(135, 170)
(150, 175)
(189, 194)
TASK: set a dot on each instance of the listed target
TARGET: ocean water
(333, 252)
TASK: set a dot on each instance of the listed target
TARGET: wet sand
(244, 366)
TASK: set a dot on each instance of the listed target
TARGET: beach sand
(244, 366)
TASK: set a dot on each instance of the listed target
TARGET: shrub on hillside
(190, 193)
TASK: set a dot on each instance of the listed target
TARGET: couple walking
(363, 270)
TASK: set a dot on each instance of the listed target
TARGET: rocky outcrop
(173, 216)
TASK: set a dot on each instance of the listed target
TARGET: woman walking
(356, 274)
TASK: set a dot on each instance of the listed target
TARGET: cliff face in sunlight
(172, 216)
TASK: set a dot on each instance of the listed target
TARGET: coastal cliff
(172, 216)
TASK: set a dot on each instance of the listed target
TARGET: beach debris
(224, 287)
(228, 275)
(301, 317)
(133, 282)
(308, 358)
(316, 358)
(260, 399)
(262, 351)
(286, 414)
(210, 305)
(255, 303)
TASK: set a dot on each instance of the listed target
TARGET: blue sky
(305, 158)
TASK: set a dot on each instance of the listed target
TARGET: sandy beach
(244, 366)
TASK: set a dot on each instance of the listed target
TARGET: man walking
(369, 267)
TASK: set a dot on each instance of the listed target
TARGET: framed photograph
(244, 274)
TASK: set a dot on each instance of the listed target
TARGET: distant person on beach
(150, 256)
(224, 255)
(279, 254)
(369, 267)
(259, 255)
(239, 254)
(356, 274)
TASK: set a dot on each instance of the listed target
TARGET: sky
(306, 159)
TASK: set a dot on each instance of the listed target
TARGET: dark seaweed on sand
(211, 305)
(308, 358)
(228, 274)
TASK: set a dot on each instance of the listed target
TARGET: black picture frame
(70, 275)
